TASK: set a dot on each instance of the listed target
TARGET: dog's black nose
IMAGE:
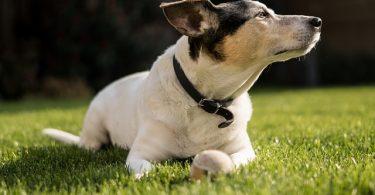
(316, 22)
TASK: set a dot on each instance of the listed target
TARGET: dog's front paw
(139, 176)
(242, 158)
(139, 168)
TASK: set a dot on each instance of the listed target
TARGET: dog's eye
(263, 14)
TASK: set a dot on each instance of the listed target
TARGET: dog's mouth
(281, 52)
(299, 50)
(305, 47)
(295, 50)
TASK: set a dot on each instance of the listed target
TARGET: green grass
(319, 141)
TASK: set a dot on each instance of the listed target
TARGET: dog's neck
(216, 80)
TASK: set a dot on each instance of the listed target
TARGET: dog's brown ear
(191, 17)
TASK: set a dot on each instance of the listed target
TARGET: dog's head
(242, 32)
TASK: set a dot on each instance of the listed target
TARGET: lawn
(308, 141)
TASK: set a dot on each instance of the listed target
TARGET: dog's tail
(62, 136)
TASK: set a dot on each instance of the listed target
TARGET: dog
(195, 96)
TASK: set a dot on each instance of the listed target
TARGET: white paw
(139, 167)
(139, 176)
(241, 159)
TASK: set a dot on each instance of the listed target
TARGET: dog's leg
(243, 157)
(240, 150)
(154, 143)
(93, 135)
(142, 154)
(137, 164)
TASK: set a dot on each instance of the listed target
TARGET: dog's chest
(193, 130)
(202, 135)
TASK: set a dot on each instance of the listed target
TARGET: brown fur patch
(246, 44)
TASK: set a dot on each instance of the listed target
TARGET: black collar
(211, 106)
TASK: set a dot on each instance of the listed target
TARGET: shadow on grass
(63, 167)
(67, 167)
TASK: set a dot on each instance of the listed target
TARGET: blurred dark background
(73, 48)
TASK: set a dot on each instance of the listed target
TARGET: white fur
(151, 114)
(62, 136)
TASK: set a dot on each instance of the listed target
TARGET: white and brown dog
(195, 96)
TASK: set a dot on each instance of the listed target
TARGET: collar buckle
(210, 106)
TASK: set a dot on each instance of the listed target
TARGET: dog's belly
(118, 103)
